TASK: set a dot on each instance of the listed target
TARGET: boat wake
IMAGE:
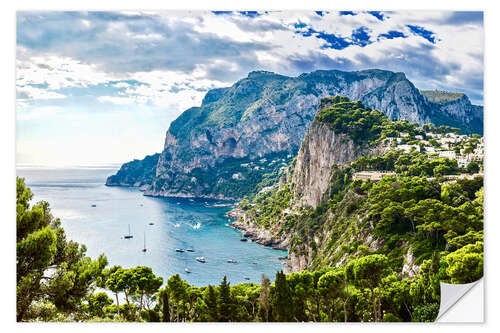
(197, 226)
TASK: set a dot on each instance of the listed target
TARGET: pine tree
(165, 307)
(225, 301)
(282, 299)
(264, 296)
(211, 302)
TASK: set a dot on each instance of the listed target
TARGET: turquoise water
(178, 223)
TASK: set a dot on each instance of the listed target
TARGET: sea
(100, 216)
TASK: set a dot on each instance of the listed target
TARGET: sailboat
(144, 249)
(129, 235)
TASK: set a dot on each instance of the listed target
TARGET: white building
(447, 154)
(407, 148)
(463, 161)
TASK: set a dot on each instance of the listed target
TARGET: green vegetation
(234, 177)
(408, 164)
(352, 118)
(52, 273)
(269, 205)
(443, 129)
(57, 282)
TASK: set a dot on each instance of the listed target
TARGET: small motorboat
(254, 263)
(201, 259)
(232, 261)
(179, 250)
(93, 205)
(247, 278)
(187, 270)
(151, 223)
(190, 250)
(243, 240)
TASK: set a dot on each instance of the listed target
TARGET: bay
(99, 217)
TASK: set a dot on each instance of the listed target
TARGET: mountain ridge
(267, 114)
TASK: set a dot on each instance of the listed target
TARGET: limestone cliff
(321, 149)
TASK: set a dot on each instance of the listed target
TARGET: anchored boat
(129, 234)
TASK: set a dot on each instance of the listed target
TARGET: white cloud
(59, 72)
(30, 92)
(458, 52)
(121, 85)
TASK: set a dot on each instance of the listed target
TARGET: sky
(103, 87)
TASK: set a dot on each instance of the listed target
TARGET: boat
(254, 263)
(201, 259)
(190, 250)
(179, 250)
(243, 240)
(247, 278)
(129, 234)
(144, 249)
(232, 261)
(151, 223)
(187, 270)
(93, 205)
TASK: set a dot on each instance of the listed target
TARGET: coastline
(256, 234)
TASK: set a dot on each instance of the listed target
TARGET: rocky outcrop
(410, 269)
(137, 173)
(321, 149)
(255, 233)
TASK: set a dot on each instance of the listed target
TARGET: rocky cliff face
(321, 149)
(265, 116)
(456, 110)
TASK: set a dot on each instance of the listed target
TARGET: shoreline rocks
(256, 234)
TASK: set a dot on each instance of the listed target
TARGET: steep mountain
(237, 141)
(325, 216)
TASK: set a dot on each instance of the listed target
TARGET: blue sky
(100, 87)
